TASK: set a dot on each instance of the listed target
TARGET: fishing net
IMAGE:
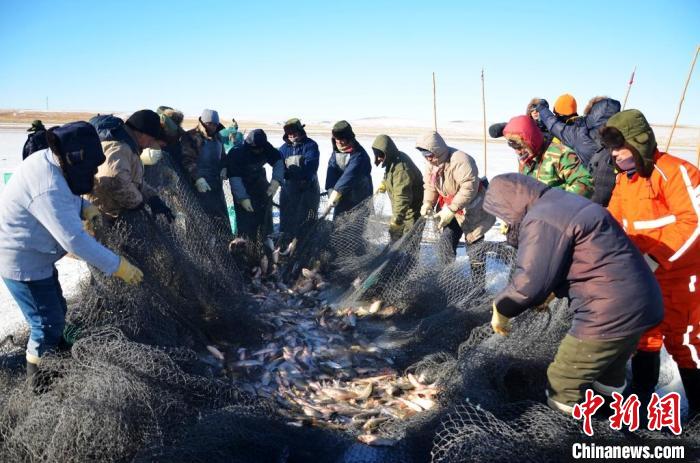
(346, 340)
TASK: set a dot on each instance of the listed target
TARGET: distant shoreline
(685, 136)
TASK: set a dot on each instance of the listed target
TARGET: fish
(216, 353)
(377, 441)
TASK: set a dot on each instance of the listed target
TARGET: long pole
(434, 106)
(680, 103)
(697, 163)
(483, 110)
(629, 87)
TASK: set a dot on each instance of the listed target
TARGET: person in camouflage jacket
(403, 183)
(553, 164)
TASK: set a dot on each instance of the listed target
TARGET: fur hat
(343, 130)
(209, 115)
(630, 129)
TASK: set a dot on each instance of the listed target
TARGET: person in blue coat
(252, 193)
(582, 135)
(41, 219)
(348, 179)
(300, 194)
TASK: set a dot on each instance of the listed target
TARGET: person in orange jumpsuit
(656, 199)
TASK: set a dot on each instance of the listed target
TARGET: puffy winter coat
(300, 160)
(574, 248)
(455, 183)
(350, 175)
(202, 155)
(403, 182)
(247, 171)
(583, 136)
(554, 165)
(35, 141)
(119, 183)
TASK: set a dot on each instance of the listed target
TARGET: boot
(39, 380)
(645, 375)
(691, 384)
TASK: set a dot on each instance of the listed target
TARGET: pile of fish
(320, 370)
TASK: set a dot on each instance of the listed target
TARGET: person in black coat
(36, 140)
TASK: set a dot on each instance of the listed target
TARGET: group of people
(598, 214)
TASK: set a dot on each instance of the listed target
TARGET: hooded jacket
(660, 211)
(403, 182)
(583, 136)
(456, 184)
(574, 248)
(554, 165)
(119, 183)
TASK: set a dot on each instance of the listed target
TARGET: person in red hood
(551, 162)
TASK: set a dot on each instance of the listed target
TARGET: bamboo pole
(483, 109)
(434, 106)
(680, 103)
(629, 87)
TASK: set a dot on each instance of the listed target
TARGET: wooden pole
(434, 106)
(680, 103)
(629, 87)
(483, 109)
(697, 163)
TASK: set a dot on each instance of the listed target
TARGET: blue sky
(333, 60)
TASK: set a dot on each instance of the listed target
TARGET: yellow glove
(272, 189)
(91, 217)
(499, 323)
(445, 216)
(246, 205)
(334, 198)
(381, 189)
(503, 228)
(426, 209)
(128, 272)
(545, 305)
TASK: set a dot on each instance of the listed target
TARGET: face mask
(293, 139)
(151, 156)
(80, 176)
(626, 165)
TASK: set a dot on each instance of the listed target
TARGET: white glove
(223, 174)
(334, 198)
(202, 185)
(445, 216)
(246, 205)
(272, 189)
(653, 265)
(425, 209)
(500, 323)
(150, 156)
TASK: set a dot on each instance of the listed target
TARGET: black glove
(158, 207)
(541, 104)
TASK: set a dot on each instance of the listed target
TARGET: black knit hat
(342, 130)
(148, 122)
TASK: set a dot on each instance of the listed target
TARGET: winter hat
(293, 125)
(36, 126)
(343, 130)
(630, 128)
(565, 105)
(176, 116)
(209, 115)
(256, 138)
(523, 130)
(78, 148)
(146, 121)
